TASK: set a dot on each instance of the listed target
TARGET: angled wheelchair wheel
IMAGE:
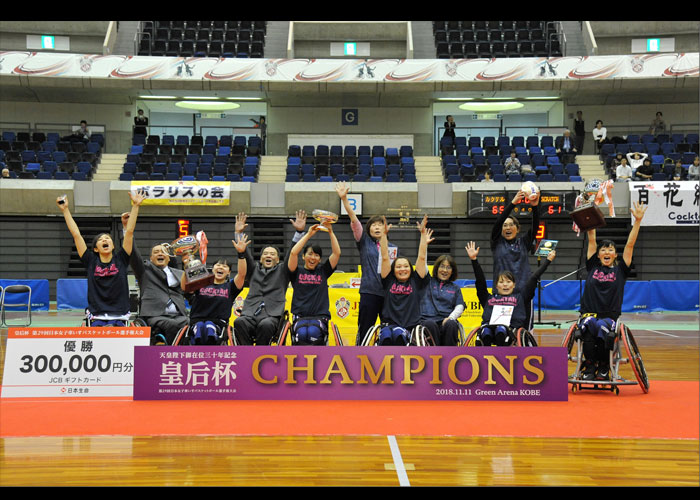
(635, 358)
(285, 335)
(372, 336)
(334, 335)
(181, 335)
(523, 338)
(461, 335)
(568, 341)
(473, 338)
(421, 337)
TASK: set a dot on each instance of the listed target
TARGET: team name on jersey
(599, 275)
(309, 279)
(399, 289)
(102, 272)
(214, 292)
(503, 301)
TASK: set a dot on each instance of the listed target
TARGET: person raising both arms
(403, 287)
(212, 304)
(507, 308)
(367, 240)
(310, 305)
(601, 303)
(108, 286)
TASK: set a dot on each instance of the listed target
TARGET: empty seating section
(478, 39)
(43, 155)
(197, 158)
(202, 38)
(324, 163)
(664, 150)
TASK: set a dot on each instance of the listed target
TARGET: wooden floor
(372, 460)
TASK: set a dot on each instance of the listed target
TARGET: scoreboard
(493, 203)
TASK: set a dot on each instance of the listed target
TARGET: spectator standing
(658, 126)
(140, 123)
(579, 130)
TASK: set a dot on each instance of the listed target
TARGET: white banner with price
(71, 361)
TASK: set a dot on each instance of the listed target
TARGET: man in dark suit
(566, 148)
(161, 300)
(268, 280)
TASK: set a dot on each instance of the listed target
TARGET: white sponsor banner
(666, 65)
(670, 203)
(183, 192)
(71, 362)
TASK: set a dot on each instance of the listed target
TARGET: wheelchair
(275, 338)
(573, 342)
(419, 336)
(286, 335)
(224, 335)
(521, 337)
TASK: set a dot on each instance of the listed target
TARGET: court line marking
(662, 333)
(398, 461)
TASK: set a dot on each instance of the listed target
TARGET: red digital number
(541, 231)
(183, 227)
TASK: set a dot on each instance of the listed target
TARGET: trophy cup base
(195, 284)
(197, 277)
(588, 217)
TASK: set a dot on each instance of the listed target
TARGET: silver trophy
(196, 273)
(587, 215)
(324, 217)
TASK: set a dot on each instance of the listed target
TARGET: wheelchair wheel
(635, 358)
(473, 338)
(334, 333)
(285, 336)
(372, 336)
(524, 338)
(181, 335)
(421, 337)
(461, 335)
(568, 341)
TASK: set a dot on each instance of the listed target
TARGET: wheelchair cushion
(310, 332)
(393, 335)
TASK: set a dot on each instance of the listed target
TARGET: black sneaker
(588, 371)
(603, 372)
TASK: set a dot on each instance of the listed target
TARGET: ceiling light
(491, 106)
(207, 106)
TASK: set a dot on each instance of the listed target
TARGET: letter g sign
(349, 117)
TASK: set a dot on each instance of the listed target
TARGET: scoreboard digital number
(493, 203)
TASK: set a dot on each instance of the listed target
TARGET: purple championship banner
(350, 373)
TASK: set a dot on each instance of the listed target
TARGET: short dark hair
(224, 262)
(451, 261)
(97, 238)
(606, 243)
(393, 264)
(505, 274)
(372, 220)
(315, 247)
(514, 219)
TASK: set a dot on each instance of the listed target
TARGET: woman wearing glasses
(442, 303)
(511, 250)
